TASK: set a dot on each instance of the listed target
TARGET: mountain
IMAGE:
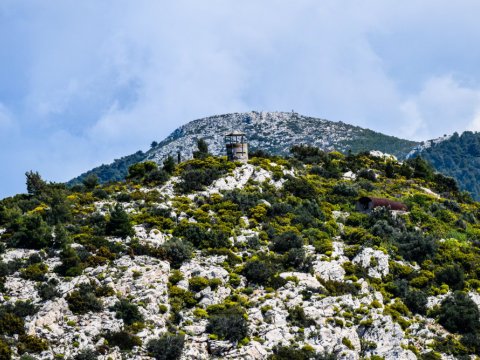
(457, 156)
(273, 132)
(266, 260)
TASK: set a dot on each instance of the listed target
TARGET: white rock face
(153, 237)
(374, 260)
(388, 337)
(329, 270)
(304, 279)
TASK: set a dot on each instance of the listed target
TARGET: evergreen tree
(169, 164)
(35, 184)
(202, 151)
(119, 224)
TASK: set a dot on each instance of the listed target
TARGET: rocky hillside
(273, 132)
(265, 260)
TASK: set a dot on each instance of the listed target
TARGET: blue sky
(84, 82)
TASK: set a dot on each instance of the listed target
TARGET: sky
(85, 82)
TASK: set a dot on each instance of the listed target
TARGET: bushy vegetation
(166, 347)
(229, 324)
(257, 233)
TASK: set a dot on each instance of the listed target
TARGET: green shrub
(229, 324)
(11, 324)
(119, 223)
(197, 283)
(215, 283)
(416, 301)
(413, 246)
(296, 316)
(286, 241)
(452, 275)
(293, 352)
(166, 347)
(87, 354)
(31, 344)
(459, 314)
(84, 300)
(259, 272)
(175, 277)
(300, 187)
(5, 351)
(34, 272)
(127, 311)
(123, 339)
(177, 252)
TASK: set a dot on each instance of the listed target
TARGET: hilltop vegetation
(265, 260)
(273, 132)
(459, 157)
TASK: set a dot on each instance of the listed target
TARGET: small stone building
(366, 204)
(237, 146)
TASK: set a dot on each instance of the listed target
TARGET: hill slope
(265, 260)
(457, 156)
(273, 132)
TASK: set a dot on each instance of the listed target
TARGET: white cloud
(104, 79)
(443, 104)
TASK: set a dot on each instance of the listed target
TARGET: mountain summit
(273, 132)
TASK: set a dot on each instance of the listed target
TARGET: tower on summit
(237, 146)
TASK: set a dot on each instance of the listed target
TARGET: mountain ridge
(273, 132)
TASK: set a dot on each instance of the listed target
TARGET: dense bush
(197, 283)
(344, 189)
(177, 252)
(300, 187)
(166, 347)
(127, 311)
(123, 339)
(259, 271)
(414, 246)
(286, 241)
(296, 316)
(119, 223)
(10, 324)
(5, 351)
(31, 344)
(416, 301)
(30, 232)
(459, 314)
(87, 354)
(452, 275)
(84, 300)
(35, 272)
(295, 353)
(229, 324)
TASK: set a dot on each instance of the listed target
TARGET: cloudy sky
(84, 82)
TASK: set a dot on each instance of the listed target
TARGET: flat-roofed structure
(366, 204)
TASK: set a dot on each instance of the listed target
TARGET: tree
(202, 151)
(127, 311)
(177, 251)
(229, 324)
(31, 232)
(169, 164)
(154, 144)
(35, 184)
(166, 347)
(90, 182)
(459, 314)
(119, 223)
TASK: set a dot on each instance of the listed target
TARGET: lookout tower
(237, 147)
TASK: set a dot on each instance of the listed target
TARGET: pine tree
(119, 224)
